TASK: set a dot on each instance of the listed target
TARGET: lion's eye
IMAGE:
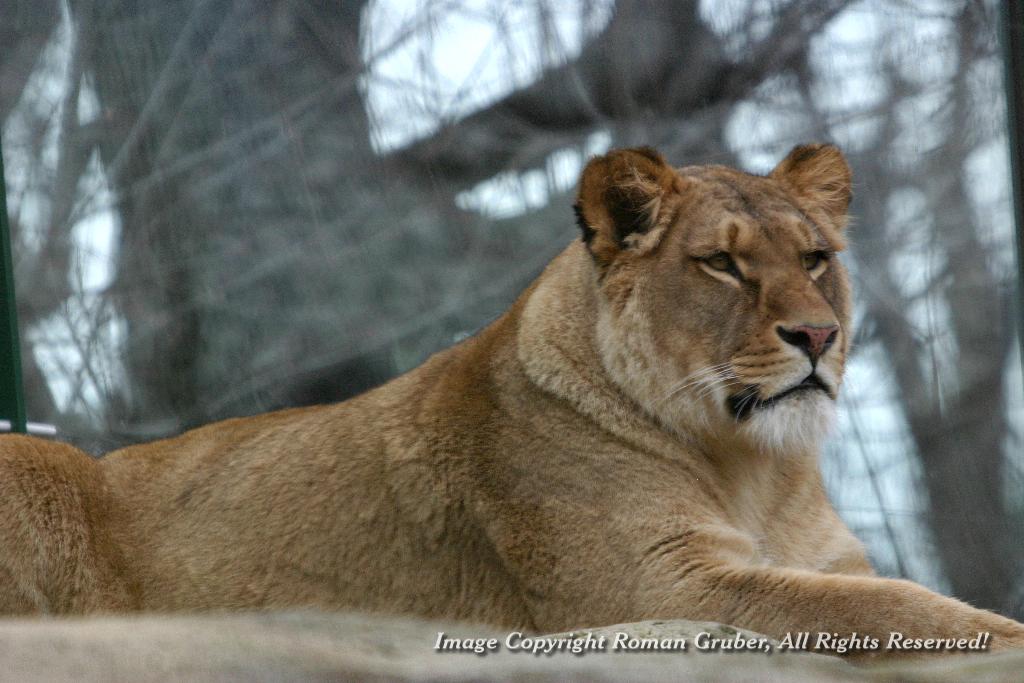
(721, 261)
(814, 259)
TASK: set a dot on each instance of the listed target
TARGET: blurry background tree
(221, 208)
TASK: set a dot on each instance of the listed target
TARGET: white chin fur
(795, 425)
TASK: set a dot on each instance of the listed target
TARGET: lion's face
(724, 310)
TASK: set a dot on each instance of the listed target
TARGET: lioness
(636, 438)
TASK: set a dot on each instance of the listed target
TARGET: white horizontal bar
(37, 428)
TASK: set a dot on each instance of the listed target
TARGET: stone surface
(316, 646)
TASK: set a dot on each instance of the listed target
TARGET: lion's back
(340, 506)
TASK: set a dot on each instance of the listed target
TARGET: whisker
(712, 384)
(749, 399)
(709, 389)
(697, 377)
(704, 383)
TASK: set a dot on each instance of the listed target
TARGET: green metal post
(1013, 53)
(12, 399)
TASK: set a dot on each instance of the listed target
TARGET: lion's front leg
(695, 583)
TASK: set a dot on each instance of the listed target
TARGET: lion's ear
(621, 201)
(819, 175)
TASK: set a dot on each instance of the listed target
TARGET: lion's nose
(814, 340)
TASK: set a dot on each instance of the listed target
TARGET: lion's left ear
(624, 202)
(819, 175)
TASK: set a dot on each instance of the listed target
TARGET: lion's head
(723, 309)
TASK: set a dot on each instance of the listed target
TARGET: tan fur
(574, 464)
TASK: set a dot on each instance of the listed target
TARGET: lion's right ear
(622, 204)
(819, 175)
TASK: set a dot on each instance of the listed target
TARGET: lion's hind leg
(56, 556)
